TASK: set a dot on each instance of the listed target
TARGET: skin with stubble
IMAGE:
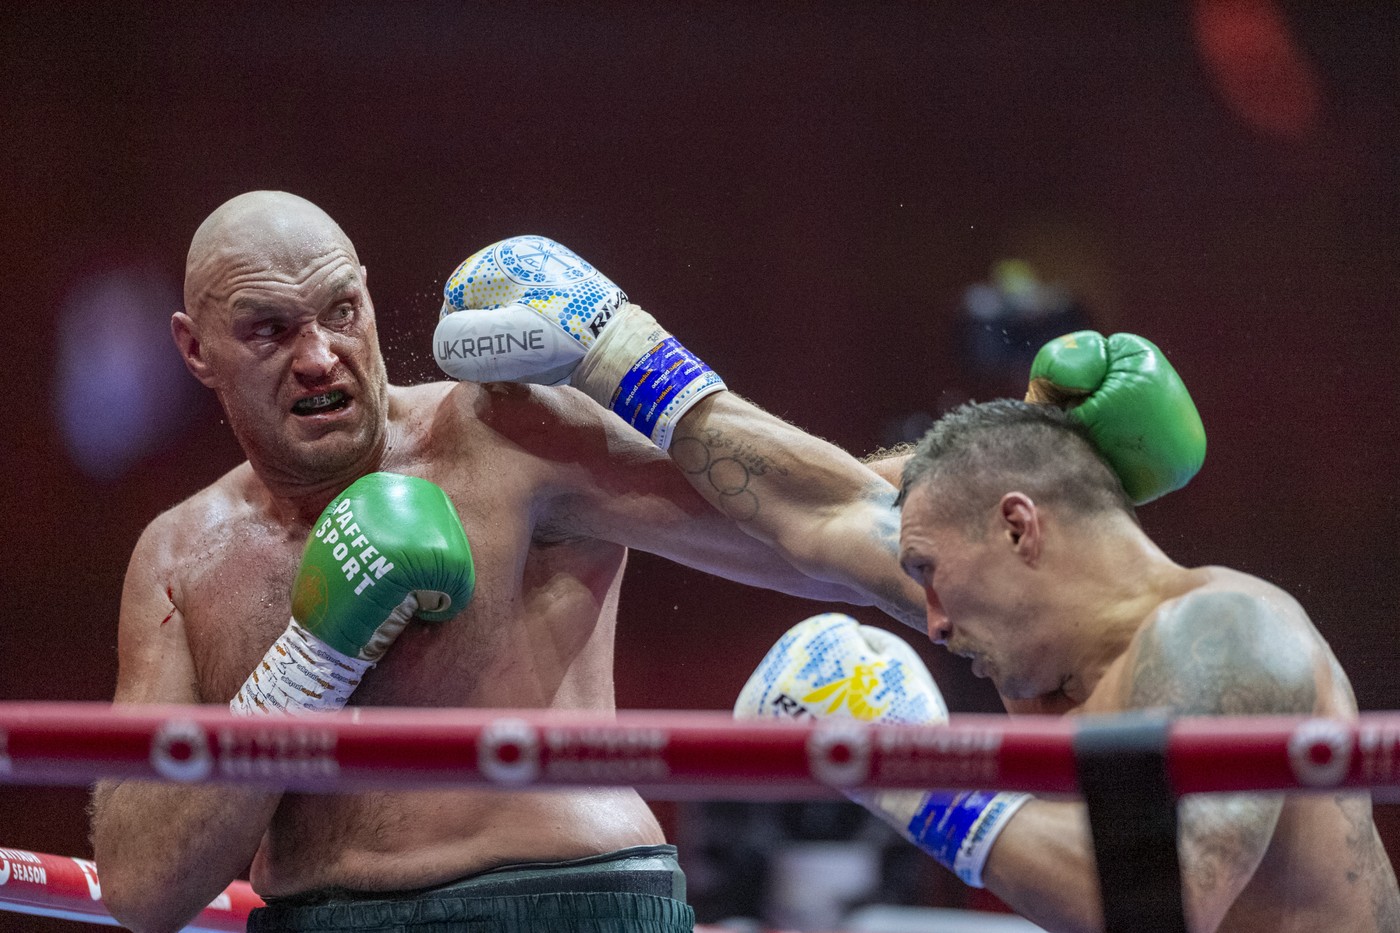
(550, 489)
(1068, 608)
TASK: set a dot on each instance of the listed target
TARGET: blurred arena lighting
(120, 389)
(1257, 66)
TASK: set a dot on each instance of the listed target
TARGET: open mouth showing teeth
(320, 404)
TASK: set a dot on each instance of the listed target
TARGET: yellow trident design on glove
(854, 691)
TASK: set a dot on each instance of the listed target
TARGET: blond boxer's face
(287, 339)
(979, 598)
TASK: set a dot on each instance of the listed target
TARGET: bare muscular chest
(236, 600)
(237, 603)
(234, 594)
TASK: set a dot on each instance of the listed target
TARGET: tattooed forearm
(830, 517)
(728, 466)
(697, 453)
(1223, 654)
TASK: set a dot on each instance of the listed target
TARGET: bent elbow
(141, 905)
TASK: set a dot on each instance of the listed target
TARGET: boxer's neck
(295, 500)
(1117, 581)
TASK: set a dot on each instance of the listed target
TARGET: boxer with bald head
(549, 489)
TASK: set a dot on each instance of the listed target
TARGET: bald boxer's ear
(182, 328)
(1020, 521)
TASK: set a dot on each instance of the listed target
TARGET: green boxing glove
(1132, 401)
(385, 550)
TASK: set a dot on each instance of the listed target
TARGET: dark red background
(800, 192)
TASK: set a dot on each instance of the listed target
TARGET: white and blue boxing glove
(528, 309)
(831, 667)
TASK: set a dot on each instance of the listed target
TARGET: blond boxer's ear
(1020, 524)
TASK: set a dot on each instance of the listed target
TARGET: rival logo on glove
(830, 665)
(538, 273)
(601, 319)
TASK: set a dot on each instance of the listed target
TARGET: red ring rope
(675, 755)
(68, 889)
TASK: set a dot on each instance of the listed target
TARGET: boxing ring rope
(666, 755)
(43, 885)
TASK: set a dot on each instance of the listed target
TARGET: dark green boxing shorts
(636, 890)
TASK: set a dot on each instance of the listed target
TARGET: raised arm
(829, 515)
(528, 309)
(166, 850)
(608, 482)
(1210, 653)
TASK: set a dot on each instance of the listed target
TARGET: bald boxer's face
(978, 596)
(287, 339)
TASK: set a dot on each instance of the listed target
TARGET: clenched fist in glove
(528, 309)
(387, 549)
(1132, 401)
(832, 667)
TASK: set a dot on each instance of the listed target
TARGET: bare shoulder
(175, 533)
(551, 450)
(154, 659)
(1234, 645)
(1276, 599)
(176, 547)
(554, 424)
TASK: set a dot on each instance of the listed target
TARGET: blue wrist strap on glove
(958, 829)
(660, 385)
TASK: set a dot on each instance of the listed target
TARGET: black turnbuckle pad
(1122, 765)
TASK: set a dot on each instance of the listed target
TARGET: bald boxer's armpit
(1214, 653)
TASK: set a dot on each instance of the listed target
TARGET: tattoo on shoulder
(1369, 866)
(1223, 836)
(1223, 654)
(729, 466)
